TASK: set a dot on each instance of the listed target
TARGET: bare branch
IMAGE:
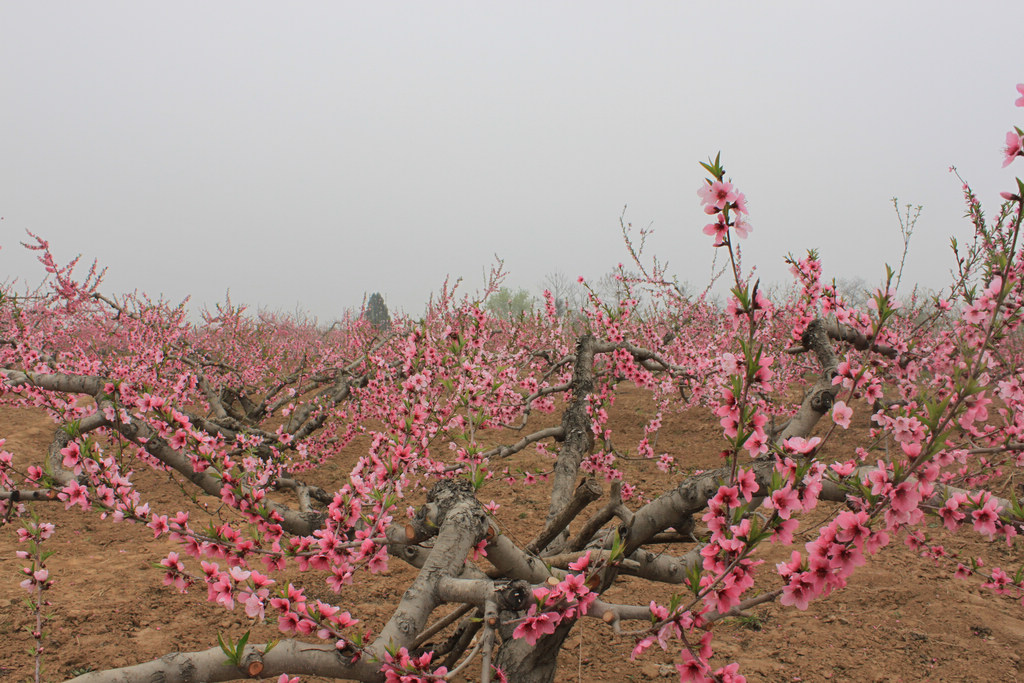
(33, 494)
(556, 433)
(586, 493)
(294, 657)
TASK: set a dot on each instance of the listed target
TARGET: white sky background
(303, 154)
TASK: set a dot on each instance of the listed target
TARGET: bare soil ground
(901, 619)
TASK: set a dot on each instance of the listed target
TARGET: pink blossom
(756, 443)
(179, 440)
(740, 203)
(726, 498)
(986, 518)
(976, 314)
(730, 425)
(1020, 100)
(950, 512)
(691, 670)
(221, 591)
(844, 469)
(852, 527)
(742, 228)
(912, 449)
(977, 410)
(785, 500)
(764, 372)
(799, 591)
(879, 479)
(876, 541)
(238, 574)
(730, 674)
(843, 559)
(811, 487)
(784, 531)
(732, 364)
(287, 622)
(793, 566)
(37, 580)
(905, 497)
(159, 525)
(719, 229)
(801, 446)
(1014, 147)
(717, 194)
(254, 604)
(841, 414)
(535, 625)
(574, 584)
(71, 455)
(734, 309)
(747, 482)
(74, 494)
(581, 563)
(641, 645)
(1011, 390)
(379, 562)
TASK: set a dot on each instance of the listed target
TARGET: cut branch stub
(423, 525)
(822, 401)
(515, 596)
(252, 662)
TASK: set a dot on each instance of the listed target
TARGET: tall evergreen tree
(377, 312)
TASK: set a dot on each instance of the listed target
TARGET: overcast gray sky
(302, 154)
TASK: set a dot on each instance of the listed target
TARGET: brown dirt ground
(901, 619)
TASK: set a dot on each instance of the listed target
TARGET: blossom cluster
(568, 599)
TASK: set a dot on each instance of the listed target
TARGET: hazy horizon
(304, 156)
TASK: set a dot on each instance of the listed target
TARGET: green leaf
(714, 167)
(616, 549)
(693, 574)
(1016, 508)
(228, 649)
